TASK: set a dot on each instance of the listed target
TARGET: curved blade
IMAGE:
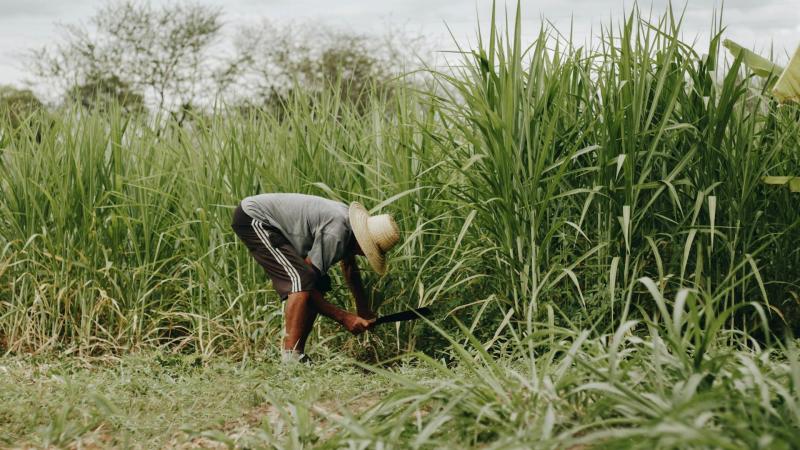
(411, 314)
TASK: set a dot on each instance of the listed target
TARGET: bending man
(297, 238)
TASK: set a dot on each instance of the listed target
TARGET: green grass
(156, 400)
(588, 223)
(567, 390)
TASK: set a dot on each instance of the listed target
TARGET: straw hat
(376, 235)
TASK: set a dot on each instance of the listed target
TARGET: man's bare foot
(289, 357)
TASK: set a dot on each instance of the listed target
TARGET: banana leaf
(788, 86)
(758, 64)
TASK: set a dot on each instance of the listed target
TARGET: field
(589, 224)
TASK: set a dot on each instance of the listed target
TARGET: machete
(411, 314)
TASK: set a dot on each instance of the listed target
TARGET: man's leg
(299, 314)
(308, 326)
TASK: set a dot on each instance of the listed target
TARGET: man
(297, 238)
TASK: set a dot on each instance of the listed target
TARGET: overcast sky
(26, 24)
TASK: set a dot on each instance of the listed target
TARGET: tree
(17, 105)
(163, 54)
(100, 93)
(276, 59)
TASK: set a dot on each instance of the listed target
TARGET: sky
(27, 24)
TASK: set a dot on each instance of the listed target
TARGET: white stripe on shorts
(290, 270)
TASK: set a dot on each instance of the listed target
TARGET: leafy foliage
(160, 53)
(18, 105)
(107, 92)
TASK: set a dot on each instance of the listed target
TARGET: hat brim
(358, 223)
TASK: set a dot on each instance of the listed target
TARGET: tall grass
(592, 167)
(117, 235)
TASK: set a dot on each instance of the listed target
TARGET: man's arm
(354, 323)
(350, 321)
(352, 276)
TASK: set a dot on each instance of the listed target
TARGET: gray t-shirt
(316, 227)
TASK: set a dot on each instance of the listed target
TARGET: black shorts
(270, 248)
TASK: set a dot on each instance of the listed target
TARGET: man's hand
(357, 325)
